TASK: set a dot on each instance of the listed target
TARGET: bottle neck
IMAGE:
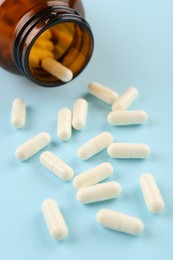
(32, 26)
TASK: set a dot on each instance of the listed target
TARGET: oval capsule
(128, 150)
(93, 176)
(120, 222)
(94, 145)
(56, 166)
(126, 99)
(54, 219)
(18, 113)
(32, 146)
(99, 192)
(64, 124)
(56, 69)
(80, 110)
(117, 118)
(103, 93)
(151, 193)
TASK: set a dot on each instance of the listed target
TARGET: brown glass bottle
(30, 29)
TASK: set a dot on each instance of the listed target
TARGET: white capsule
(127, 117)
(32, 146)
(99, 192)
(54, 219)
(127, 150)
(64, 124)
(56, 69)
(56, 166)
(151, 193)
(95, 145)
(120, 222)
(103, 93)
(18, 113)
(80, 110)
(126, 99)
(93, 176)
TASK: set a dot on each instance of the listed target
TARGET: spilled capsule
(79, 116)
(94, 145)
(151, 193)
(18, 113)
(128, 150)
(99, 192)
(54, 219)
(64, 124)
(103, 93)
(56, 166)
(120, 222)
(117, 118)
(126, 99)
(32, 146)
(93, 175)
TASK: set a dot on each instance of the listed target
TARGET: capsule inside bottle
(68, 47)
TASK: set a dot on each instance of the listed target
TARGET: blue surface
(133, 47)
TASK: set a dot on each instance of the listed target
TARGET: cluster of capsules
(88, 186)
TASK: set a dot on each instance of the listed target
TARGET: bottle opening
(67, 43)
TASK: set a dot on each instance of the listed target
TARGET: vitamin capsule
(99, 192)
(127, 150)
(64, 124)
(103, 93)
(40, 53)
(120, 222)
(79, 114)
(72, 55)
(54, 219)
(34, 61)
(126, 99)
(32, 146)
(46, 35)
(127, 117)
(57, 69)
(44, 44)
(56, 166)
(18, 113)
(79, 62)
(95, 145)
(151, 193)
(93, 176)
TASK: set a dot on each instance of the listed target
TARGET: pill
(18, 113)
(44, 44)
(127, 117)
(80, 110)
(99, 192)
(79, 62)
(64, 124)
(93, 176)
(103, 93)
(151, 193)
(56, 69)
(32, 146)
(56, 166)
(126, 99)
(54, 219)
(71, 57)
(40, 53)
(119, 222)
(95, 145)
(46, 35)
(34, 61)
(128, 150)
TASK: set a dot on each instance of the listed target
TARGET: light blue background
(133, 47)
